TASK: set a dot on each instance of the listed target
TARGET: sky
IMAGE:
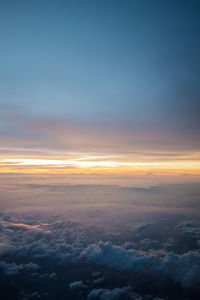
(100, 87)
(99, 149)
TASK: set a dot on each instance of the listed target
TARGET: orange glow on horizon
(101, 164)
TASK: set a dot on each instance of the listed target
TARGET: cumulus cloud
(98, 280)
(77, 285)
(184, 269)
(96, 274)
(10, 269)
(14, 269)
(52, 275)
(68, 246)
(138, 228)
(117, 257)
(106, 294)
(191, 228)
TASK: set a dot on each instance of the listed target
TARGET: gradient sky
(116, 82)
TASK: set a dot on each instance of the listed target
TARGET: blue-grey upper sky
(122, 63)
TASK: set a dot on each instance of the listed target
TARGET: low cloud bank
(183, 269)
(100, 264)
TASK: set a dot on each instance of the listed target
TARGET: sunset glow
(100, 150)
(92, 163)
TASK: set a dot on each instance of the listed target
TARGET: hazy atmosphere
(100, 150)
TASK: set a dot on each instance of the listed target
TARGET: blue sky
(128, 65)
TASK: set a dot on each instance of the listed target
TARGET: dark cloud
(14, 269)
(81, 260)
(180, 268)
(116, 293)
(77, 286)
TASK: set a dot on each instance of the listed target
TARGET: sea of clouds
(54, 257)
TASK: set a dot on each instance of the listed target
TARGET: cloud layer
(91, 262)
